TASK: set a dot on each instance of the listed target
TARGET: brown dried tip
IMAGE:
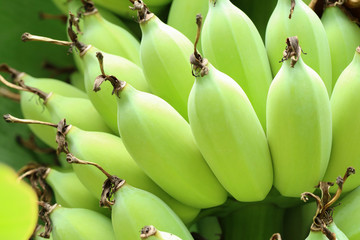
(89, 6)
(292, 8)
(110, 186)
(143, 11)
(117, 84)
(148, 231)
(25, 36)
(62, 129)
(323, 216)
(44, 215)
(293, 50)
(276, 236)
(198, 63)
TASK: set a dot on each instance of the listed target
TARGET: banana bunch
(185, 124)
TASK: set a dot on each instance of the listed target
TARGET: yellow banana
(298, 124)
(306, 25)
(233, 45)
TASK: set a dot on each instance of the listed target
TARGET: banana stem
(10, 95)
(116, 83)
(110, 186)
(29, 37)
(11, 119)
(340, 182)
(198, 63)
(70, 158)
(11, 85)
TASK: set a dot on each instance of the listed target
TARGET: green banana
(233, 45)
(182, 13)
(347, 214)
(343, 36)
(258, 11)
(161, 143)
(164, 54)
(336, 234)
(306, 25)
(132, 208)
(18, 206)
(70, 192)
(345, 102)
(255, 221)
(29, 104)
(93, 145)
(78, 223)
(151, 233)
(60, 106)
(237, 152)
(77, 80)
(107, 36)
(298, 124)
(103, 103)
(135, 208)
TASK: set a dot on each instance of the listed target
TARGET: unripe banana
(77, 80)
(182, 14)
(80, 223)
(233, 45)
(298, 124)
(237, 152)
(343, 36)
(306, 25)
(70, 192)
(93, 145)
(164, 54)
(30, 107)
(129, 71)
(347, 214)
(107, 36)
(135, 208)
(151, 233)
(338, 234)
(18, 206)
(345, 110)
(161, 143)
(258, 11)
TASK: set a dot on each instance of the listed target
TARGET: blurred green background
(17, 17)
